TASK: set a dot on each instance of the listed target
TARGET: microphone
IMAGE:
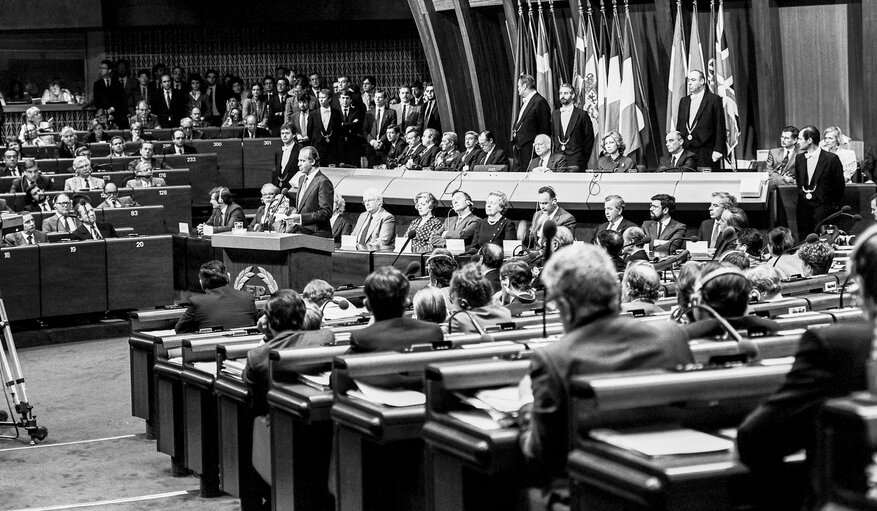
(746, 346)
(411, 235)
(671, 261)
(728, 234)
(843, 211)
(811, 238)
(412, 270)
(644, 241)
(340, 301)
(549, 230)
(275, 202)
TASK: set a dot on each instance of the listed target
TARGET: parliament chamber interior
(438, 255)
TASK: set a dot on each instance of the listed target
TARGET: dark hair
(285, 310)
(811, 132)
(386, 289)
(549, 190)
(519, 274)
(737, 258)
(793, 130)
(738, 218)
(818, 256)
(753, 240)
(779, 239)
(667, 201)
(685, 280)
(611, 241)
(528, 80)
(488, 135)
(491, 255)
(371, 79)
(469, 284)
(441, 266)
(728, 294)
(213, 274)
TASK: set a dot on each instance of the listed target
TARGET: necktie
(116, 204)
(95, 233)
(784, 163)
(715, 234)
(143, 92)
(71, 225)
(345, 113)
(675, 162)
(428, 112)
(179, 150)
(660, 228)
(85, 184)
(30, 239)
(45, 206)
(304, 124)
(167, 98)
(363, 236)
(404, 116)
(378, 122)
(107, 82)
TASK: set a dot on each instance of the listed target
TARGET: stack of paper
(318, 381)
(234, 368)
(671, 442)
(388, 397)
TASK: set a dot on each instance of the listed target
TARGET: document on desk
(319, 381)
(234, 367)
(671, 442)
(388, 397)
(505, 399)
(477, 418)
(161, 333)
(207, 367)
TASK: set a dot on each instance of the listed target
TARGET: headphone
(468, 197)
(706, 279)
(439, 256)
(224, 195)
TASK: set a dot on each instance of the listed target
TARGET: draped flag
(602, 76)
(613, 81)
(677, 86)
(587, 76)
(695, 54)
(524, 62)
(558, 48)
(631, 121)
(544, 77)
(711, 51)
(725, 84)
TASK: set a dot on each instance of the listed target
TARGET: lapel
(375, 226)
(526, 110)
(820, 164)
(703, 103)
(572, 120)
(307, 192)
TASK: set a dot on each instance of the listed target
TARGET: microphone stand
(746, 346)
(549, 239)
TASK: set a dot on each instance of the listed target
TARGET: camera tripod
(13, 382)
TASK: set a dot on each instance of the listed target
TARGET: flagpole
(561, 63)
(642, 92)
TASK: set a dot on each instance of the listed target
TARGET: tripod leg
(15, 380)
(13, 353)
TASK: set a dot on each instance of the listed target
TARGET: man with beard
(573, 131)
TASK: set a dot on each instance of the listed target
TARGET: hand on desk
(541, 170)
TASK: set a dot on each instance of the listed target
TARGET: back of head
(818, 256)
(213, 275)
(563, 237)
(863, 264)
(752, 239)
(470, 288)
(429, 305)
(779, 239)
(737, 258)
(285, 311)
(441, 266)
(491, 256)
(313, 319)
(634, 237)
(765, 279)
(519, 274)
(725, 289)
(574, 265)
(640, 282)
(611, 241)
(318, 292)
(685, 280)
(386, 290)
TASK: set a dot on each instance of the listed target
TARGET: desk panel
(144, 220)
(15, 201)
(229, 160)
(141, 272)
(350, 267)
(177, 201)
(19, 275)
(258, 157)
(386, 259)
(202, 174)
(73, 278)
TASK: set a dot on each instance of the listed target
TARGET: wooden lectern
(263, 262)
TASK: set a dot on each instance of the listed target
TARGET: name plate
(456, 246)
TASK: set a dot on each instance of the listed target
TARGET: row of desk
(166, 134)
(173, 177)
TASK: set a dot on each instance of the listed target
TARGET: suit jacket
(686, 159)
(470, 159)
(413, 118)
(137, 183)
(51, 224)
(169, 116)
(555, 161)
(381, 230)
(394, 334)
(306, 132)
(282, 174)
(535, 120)
(431, 116)
(394, 154)
(562, 218)
(16, 239)
(277, 111)
(316, 206)
(259, 133)
(257, 224)
(496, 157)
(708, 133)
(578, 137)
(260, 109)
(224, 223)
(828, 179)
(222, 306)
(126, 202)
(106, 231)
(326, 140)
(607, 343)
(351, 126)
(775, 159)
(21, 184)
(426, 158)
(150, 122)
(625, 224)
(110, 97)
(341, 227)
(187, 149)
(66, 152)
(830, 363)
(370, 128)
(675, 230)
(77, 183)
(705, 232)
(458, 229)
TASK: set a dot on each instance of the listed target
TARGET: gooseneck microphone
(411, 235)
(843, 211)
(811, 238)
(549, 231)
(746, 346)
(644, 241)
(340, 301)
(412, 271)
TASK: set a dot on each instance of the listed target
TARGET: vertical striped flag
(613, 81)
(558, 48)
(602, 76)
(711, 51)
(677, 86)
(695, 54)
(630, 119)
(544, 76)
(586, 74)
(725, 84)
(524, 62)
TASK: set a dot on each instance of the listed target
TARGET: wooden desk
(19, 281)
(144, 220)
(229, 159)
(258, 155)
(139, 272)
(350, 267)
(73, 278)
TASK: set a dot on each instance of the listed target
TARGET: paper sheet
(321, 380)
(669, 442)
(476, 418)
(388, 397)
(207, 367)
(506, 399)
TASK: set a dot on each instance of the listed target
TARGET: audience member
(779, 242)
(613, 208)
(430, 305)
(220, 306)
(677, 159)
(781, 160)
(340, 225)
(765, 282)
(463, 225)
(471, 153)
(816, 258)
(31, 176)
(711, 228)
(29, 235)
(736, 258)
(495, 227)
(113, 200)
(726, 290)
(516, 287)
(83, 179)
(63, 220)
(634, 246)
(226, 212)
(664, 233)
(613, 159)
(449, 157)
(490, 257)
(639, 290)
(440, 266)
(490, 154)
(613, 243)
(472, 295)
(375, 227)
(544, 160)
(547, 210)
(90, 228)
(425, 225)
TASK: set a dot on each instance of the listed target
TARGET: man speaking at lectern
(314, 200)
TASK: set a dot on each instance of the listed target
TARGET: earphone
(225, 196)
(706, 279)
(468, 197)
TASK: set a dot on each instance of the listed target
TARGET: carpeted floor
(96, 455)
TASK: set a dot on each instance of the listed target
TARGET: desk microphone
(811, 238)
(746, 346)
(411, 235)
(728, 234)
(549, 230)
(412, 270)
(843, 211)
(340, 301)
(837, 232)
(644, 241)
(672, 260)
(275, 202)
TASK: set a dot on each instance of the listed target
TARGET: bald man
(545, 160)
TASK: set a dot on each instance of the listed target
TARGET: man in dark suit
(109, 94)
(90, 228)
(613, 208)
(701, 121)
(253, 130)
(490, 257)
(678, 159)
(326, 128)
(634, 245)
(430, 108)
(781, 160)
(386, 296)
(225, 212)
(820, 180)
(472, 152)
(314, 200)
(29, 235)
(277, 106)
(426, 158)
(141, 91)
(375, 128)
(662, 230)
(711, 229)
(548, 210)
(144, 116)
(407, 113)
(546, 160)
(298, 114)
(393, 148)
(350, 139)
(217, 95)
(64, 219)
(179, 146)
(490, 154)
(534, 118)
(31, 175)
(573, 130)
(169, 104)
(286, 158)
(221, 305)
(596, 340)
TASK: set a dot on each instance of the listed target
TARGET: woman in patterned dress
(425, 225)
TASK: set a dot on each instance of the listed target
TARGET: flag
(524, 63)
(695, 54)
(711, 51)
(677, 86)
(725, 84)
(586, 74)
(544, 77)
(613, 79)
(602, 76)
(631, 121)
(559, 60)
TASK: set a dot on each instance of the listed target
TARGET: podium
(263, 262)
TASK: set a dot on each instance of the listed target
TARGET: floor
(96, 455)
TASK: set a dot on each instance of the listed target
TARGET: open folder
(669, 442)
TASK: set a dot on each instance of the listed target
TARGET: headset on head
(224, 195)
(468, 197)
(706, 279)
(862, 240)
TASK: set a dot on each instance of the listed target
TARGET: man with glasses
(114, 201)
(187, 124)
(665, 233)
(83, 179)
(144, 116)
(168, 103)
(90, 228)
(264, 219)
(31, 176)
(179, 146)
(375, 227)
(368, 91)
(29, 235)
(63, 220)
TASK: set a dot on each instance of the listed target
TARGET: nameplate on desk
(208, 230)
(509, 246)
(456, 246)
(183, 228)
(697, 247)
(400, 242)
(829, 287)
(348, 242)
(210, 329)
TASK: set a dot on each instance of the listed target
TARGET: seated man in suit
(117, 148)
(264, 219)
(596, 340)
(639, 289)
(463, 225)
(90, 228)
(144, 116)
(545, 160)
(678, 159)
(472, 295)
(491, 155)
(414, 143)
(613, 243)
(548, 210)
(781, 160)
(147, 155)
(63, 220)
(69, 143)
(10, 164)
(426, 158)
(472, 152)
(113, 200)
(375, 227)
(253, 130)
(448, 157)
(665, 233)
(221, 305)
(226, 213)
(711, 229)
(179, 146)
(634, 246)
(816, 258)
(490, 257)
(29, 235)
(613, 208)
(392, 150)
(187, 124)
(386, 296)
(83, 179)
(30, 176)
(143, 177)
